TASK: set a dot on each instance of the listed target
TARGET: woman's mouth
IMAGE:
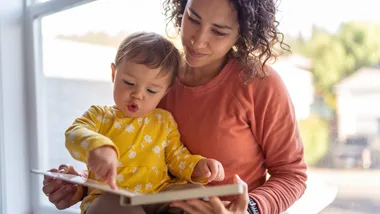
(133, 108)
(195, 54)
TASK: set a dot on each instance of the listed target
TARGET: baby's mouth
(133, 108)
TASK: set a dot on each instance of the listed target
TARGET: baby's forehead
(146, 73)
(165, 76)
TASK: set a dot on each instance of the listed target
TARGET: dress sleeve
(180, 161)
(83, 135)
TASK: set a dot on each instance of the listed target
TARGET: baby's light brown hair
(151, 50)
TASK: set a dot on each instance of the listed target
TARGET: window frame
(35, 96)
(14, 178)
(2, 161)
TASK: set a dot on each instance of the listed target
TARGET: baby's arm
(181, 162)
(86, 144)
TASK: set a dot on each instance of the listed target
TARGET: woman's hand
(239, 205)
(63, 195)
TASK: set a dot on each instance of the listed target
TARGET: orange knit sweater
(250, 127)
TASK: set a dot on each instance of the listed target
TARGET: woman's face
(209, 29)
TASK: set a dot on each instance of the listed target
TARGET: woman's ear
(113, 69)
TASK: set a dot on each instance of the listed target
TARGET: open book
(130, 198)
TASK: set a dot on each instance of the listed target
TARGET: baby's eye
(128, 83)
(151, 91)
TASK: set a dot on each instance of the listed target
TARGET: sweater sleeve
(275, 127)
(83, 135)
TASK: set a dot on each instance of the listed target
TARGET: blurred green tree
(315, 136)
(337, 55)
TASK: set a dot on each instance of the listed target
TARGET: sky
(299, 15)
(112, 16)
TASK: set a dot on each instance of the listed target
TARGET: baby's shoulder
(161, 114)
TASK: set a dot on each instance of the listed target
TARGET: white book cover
(130, 198)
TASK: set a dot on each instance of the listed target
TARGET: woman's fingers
(64, 202)
(48, 179)
(201, 206)
(65, 191)
(217, 205)
(52, 186)
(194, 207)
(243, 199)
(67, 169)
(183, 205)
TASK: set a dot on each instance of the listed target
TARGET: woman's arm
(272, 118)
(275, 126)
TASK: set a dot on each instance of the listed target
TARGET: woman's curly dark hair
(258, 31)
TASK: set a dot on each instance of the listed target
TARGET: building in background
(293, 70)
(358, 104)
(358, 114)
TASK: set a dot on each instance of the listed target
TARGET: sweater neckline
(213, 83)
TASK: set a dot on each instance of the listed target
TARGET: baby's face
(137, 88)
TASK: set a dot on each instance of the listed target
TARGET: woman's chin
(198, 62)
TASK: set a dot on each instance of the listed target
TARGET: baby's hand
(103, 162)
(210, 169)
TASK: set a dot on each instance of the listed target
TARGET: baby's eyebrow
(157, 86)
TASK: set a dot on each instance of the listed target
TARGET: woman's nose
(200, 39)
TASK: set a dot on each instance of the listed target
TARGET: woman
(230, 106)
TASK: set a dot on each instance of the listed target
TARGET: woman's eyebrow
(222, 26)
(216, 25)
(195, 13)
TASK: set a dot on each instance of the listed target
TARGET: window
(77, 46)
(71, 43)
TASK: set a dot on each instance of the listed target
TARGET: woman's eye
(218, 33)
(128, 83)
(151, 91)
(193, 20)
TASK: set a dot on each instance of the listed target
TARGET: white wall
(358, 112)
(15, 177)
(299, 83)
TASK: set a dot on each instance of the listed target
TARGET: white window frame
(14, 156)
(53, 6)
(2, 161)
(33, 50)
(21, 103)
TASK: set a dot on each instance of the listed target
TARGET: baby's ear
(113, 71)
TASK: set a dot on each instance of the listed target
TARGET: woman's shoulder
(271, 80)
(259, 91)
(247, 81)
